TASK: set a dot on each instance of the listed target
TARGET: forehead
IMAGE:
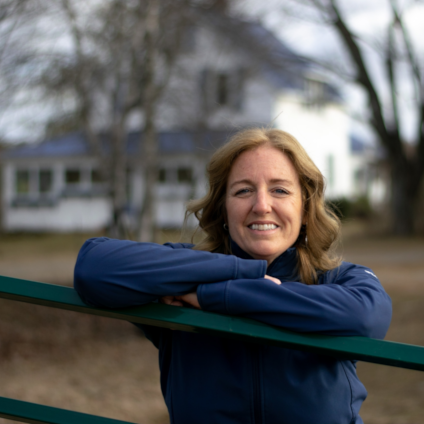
(264, 162)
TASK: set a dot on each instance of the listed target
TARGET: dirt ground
(104, 367)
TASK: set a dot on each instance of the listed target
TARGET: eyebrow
(274, 180)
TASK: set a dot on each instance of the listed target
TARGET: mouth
(262, 227)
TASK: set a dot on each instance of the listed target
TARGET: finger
(273, 279)
(166, 299)
(191, 299)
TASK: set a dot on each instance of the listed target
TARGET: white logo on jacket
(369, 272)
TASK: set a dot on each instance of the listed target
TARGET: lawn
(104, 367)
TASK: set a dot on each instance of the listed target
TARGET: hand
(189, 298)
(273, 279)
(171, 300)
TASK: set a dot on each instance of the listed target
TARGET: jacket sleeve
(118, 273)
(351, 302)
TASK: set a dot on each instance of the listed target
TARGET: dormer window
(314, 93)
(222, 89)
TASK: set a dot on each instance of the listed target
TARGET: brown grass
(79, 362)
(395, 394)
(103, 366)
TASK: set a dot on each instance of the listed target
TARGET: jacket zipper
(257, 404)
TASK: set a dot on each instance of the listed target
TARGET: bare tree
(157, 41)
(15, 19)
(395, 51)
(123, 54)
(14, 15)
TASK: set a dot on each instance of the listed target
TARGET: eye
(281, 191)
(242, 191)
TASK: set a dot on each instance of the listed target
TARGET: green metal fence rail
(27, 412)
(186, 319)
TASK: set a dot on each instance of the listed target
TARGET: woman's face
(264, 203)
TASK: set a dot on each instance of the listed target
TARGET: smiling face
(264, 202)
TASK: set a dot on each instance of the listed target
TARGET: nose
(262, 203)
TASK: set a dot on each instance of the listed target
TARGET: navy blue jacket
(207, 379)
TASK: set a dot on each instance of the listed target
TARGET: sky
(368, 18)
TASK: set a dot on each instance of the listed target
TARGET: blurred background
(109, 112)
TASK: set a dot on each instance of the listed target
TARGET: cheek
(231, 211)
(236, 213)
(297, 209)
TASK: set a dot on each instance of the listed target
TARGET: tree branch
(392, 142)
(390, 55)
(418, 85)
(80, 86)
(413, 62)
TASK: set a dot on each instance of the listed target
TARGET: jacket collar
(283, 267)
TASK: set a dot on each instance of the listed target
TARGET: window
(72, 176)
(184, 175)
(314, 93)
(46, 181)
(22, 181)
(162, 175)
(222, 89)
(33, 187)
(96, 177)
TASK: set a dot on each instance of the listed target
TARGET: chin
(266, 252)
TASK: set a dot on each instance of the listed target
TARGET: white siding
(67, 215)
(323, 132)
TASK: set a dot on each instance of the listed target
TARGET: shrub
(345, 208)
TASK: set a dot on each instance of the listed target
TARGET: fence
(185, 319)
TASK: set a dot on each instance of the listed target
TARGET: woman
(267, 256)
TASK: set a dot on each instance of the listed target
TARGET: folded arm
(353, 303)
(119, 273)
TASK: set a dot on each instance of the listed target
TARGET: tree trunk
(404, 197)
(147, 232)
(148, 218)
(118, 228)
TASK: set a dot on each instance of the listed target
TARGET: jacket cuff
(211, 297)
(250, 269)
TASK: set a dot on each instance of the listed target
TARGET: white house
(323, 129)
(232, 75)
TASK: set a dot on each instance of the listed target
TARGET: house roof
(76, 144)
(282, 67)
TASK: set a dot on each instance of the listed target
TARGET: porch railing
(186, 319)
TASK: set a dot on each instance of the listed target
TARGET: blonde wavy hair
(317, 239)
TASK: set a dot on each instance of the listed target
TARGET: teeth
(263, 227)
